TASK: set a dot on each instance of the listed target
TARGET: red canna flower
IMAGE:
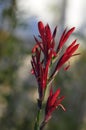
(44, 52)
(64, 37)
(40, 71)
(66, 56)
(43, 57)
(47, 43)
(46, 46)
(52, 103)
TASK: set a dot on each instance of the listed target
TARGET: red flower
(52, 103)
(64, 38)
(66, 56)
(47, 43)
(44, 54)
(40, 71)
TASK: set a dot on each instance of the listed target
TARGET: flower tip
(34, 48)
(40, 25)
(72, 29)
(40, 22)
(57, 92)
(54, 33)
(67, 67)
(76, 46)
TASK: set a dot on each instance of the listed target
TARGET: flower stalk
(37, 123)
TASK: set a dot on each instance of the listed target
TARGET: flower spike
(44, 55)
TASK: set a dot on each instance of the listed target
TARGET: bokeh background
(18, 88)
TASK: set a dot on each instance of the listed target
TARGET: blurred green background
(18, 88)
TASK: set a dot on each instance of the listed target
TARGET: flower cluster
(44, 54)
(52, 103)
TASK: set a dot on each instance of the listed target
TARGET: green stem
(37, 125)
(52, 78)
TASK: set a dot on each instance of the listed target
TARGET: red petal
(61, 39)
(68, 34)
(48, 32)
(63, 59)
(64, 37)
(69, 48)
(67, 67)
(41, 27)
(73, 49)
(55, 95)
(60, 100)
(34, 48)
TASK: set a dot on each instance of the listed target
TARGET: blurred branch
(10, 13)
